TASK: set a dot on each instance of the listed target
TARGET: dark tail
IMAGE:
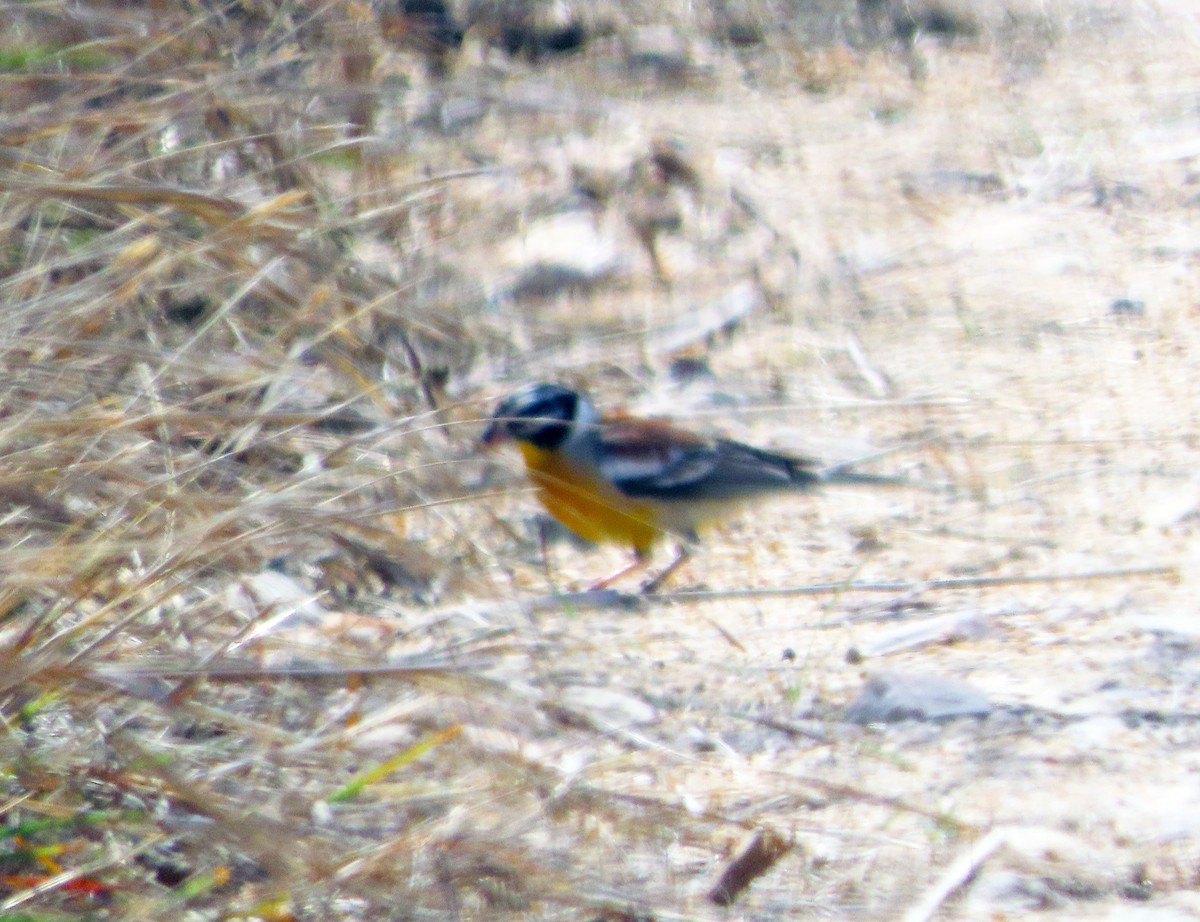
(806, 473)
(843, 475)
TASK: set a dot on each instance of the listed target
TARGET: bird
(636, 481)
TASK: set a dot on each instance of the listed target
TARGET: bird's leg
(640, 559)
(656, 582)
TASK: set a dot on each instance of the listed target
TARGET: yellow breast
(588, 506)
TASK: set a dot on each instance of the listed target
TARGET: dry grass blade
(276, 641)
(206, 207)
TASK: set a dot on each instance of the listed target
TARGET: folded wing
(650, 460)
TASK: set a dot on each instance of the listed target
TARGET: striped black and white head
(544, 415)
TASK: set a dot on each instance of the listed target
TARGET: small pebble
(1127, 307)
(888, 697)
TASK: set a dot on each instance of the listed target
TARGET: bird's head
(544, 415)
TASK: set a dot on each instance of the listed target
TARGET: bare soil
(279, 642)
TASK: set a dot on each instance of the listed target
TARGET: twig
(874, 378)
(953, 582)
(131, 676)
(586, 600)
(612, 598)
(756, 856)
(783, 726)
(961, 870)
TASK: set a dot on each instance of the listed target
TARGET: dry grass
(271, 639)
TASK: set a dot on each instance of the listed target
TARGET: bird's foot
(655, 583)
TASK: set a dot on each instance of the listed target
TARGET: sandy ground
(1011, 245)
(973, 265)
